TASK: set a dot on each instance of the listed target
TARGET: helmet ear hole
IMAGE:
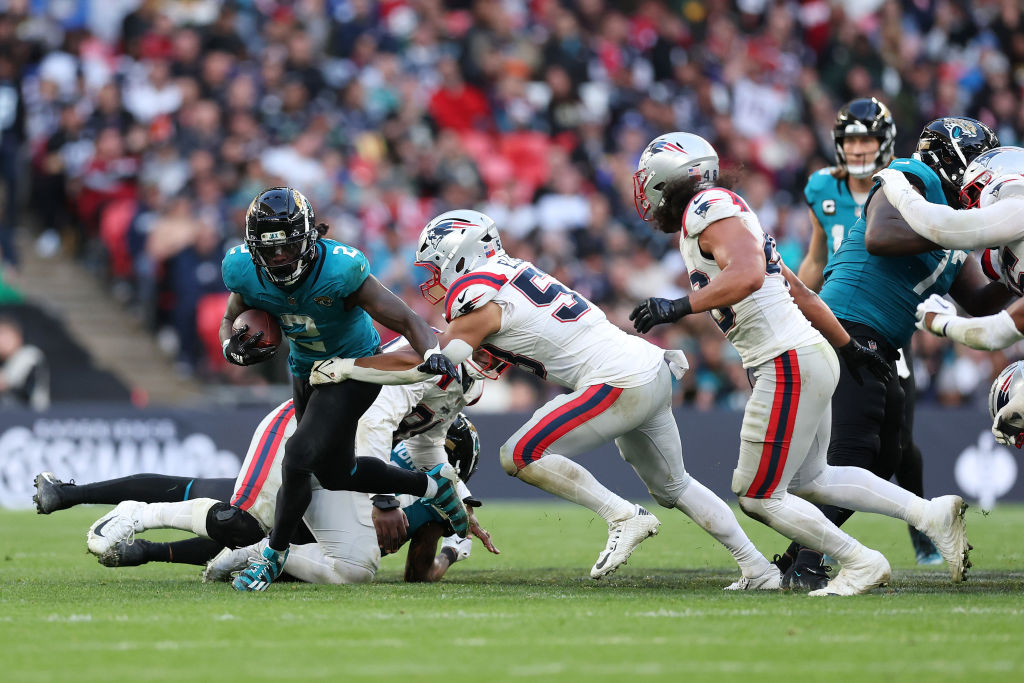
(660, 186)
(460, 264)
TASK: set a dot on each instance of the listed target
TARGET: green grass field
(530, 613)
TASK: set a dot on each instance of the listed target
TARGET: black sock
(808, 558)
(373, 475)
(145, 488)
(190, 551)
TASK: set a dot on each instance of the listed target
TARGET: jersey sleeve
(233, 269)
(471, 291)
(814, 184)
(353, 269)
(711, 206)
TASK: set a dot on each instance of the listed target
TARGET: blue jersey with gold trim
(883, 292)
(312, 313)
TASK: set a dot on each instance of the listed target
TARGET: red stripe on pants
(519, 456)
(780, 427)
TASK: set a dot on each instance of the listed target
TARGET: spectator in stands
(24, 375)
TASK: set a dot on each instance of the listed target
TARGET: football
(259, 321)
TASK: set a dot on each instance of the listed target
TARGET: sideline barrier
(87, 443)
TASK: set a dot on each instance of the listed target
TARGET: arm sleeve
(988, 333)
(998, 223)
(379, 423)
(387, 377)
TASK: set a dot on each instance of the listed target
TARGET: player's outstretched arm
(391, 312)
(887, 234)
(987, 333)
(823, 320)
(998, 223)
(812, 268)
(975, 293)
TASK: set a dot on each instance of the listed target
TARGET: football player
(863, 134)
(322, 294)
(620, 388)
(779, 328)
(873, 284)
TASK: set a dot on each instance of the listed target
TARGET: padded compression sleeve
(988, 333)
(996, 224)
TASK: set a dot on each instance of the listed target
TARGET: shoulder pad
(347, 266)
(1002, 187)
(818, 181)
(710, 206)
(473, 290)
(235, 267)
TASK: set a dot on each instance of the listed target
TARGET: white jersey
(768, 322)
(550, 330)
(418, 414)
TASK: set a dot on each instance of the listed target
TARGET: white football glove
(943, 310)
(896, 187)
(461, 546)
(331, 371)
(1008, 427)
(677, 363)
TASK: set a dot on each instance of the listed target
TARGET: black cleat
(807, 573)
(783, 562)
(126, 554)
(48, 497)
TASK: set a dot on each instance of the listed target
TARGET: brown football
(259, 321)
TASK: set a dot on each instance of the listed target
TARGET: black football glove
(656, 311)
(246, 352)
(440, 364)
(858, 356)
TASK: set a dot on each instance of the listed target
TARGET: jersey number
(347, 251)
(524, 362)
(924, 285)
(298, 326)
(526, 282)
(724, 317)
(420, 419)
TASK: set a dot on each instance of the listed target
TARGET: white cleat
(769, 580)
(944, 523)
(120, 524)
(868, 571)
(623, 538)
(229, 562)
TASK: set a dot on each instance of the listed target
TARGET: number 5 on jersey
(529, 281)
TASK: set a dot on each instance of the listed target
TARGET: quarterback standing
(324, 297)
(779, 328)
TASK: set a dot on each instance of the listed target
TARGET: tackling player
(777, 325)
(863, 135)
(322, 294)
(620, 388)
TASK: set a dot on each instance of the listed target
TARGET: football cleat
(125, 554)
(769, 580)
(808, 572)
(925, 551)
(229, 562)
(446, 501)
(48, 496)
(868, 571)
(120, 524)
(262, 571)
(623, 538)
(943, 522)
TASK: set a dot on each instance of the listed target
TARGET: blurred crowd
(150, 125)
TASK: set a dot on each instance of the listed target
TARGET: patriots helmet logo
(665, 146)
(444, 228)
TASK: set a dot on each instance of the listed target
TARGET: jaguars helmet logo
(958, 128)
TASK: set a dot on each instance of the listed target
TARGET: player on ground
(863, 134)
(776, 325)
(873, 284)
(324, 297)
(621, 388)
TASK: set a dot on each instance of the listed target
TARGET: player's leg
(910, 472)
(787, 421)
(196, 550)
(538, 453)
(52, 494)
(346, 544)
(655, 452)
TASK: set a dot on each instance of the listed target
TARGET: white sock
(308, 563)
(187, 515)
(855, 488)
(431, 488)
(795, 518)
(566, 479)
(713, 515)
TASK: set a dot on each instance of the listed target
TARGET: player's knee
(756, 508)
(507, 456)
(668, 492)
(232, 526)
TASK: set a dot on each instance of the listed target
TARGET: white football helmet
(667, 157)
(999, 164)
(1009, 382)
(453, 244)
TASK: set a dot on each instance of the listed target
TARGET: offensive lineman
(863, 136)
(322, 294)
(621, 388)
(776, 325)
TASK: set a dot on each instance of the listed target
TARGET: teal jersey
(418, 513)
(312, 313)
(832, 204)
(883, 292)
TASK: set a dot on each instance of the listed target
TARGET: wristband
(682, 306)
(450, 553)
(430, 352)
(384, 502)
